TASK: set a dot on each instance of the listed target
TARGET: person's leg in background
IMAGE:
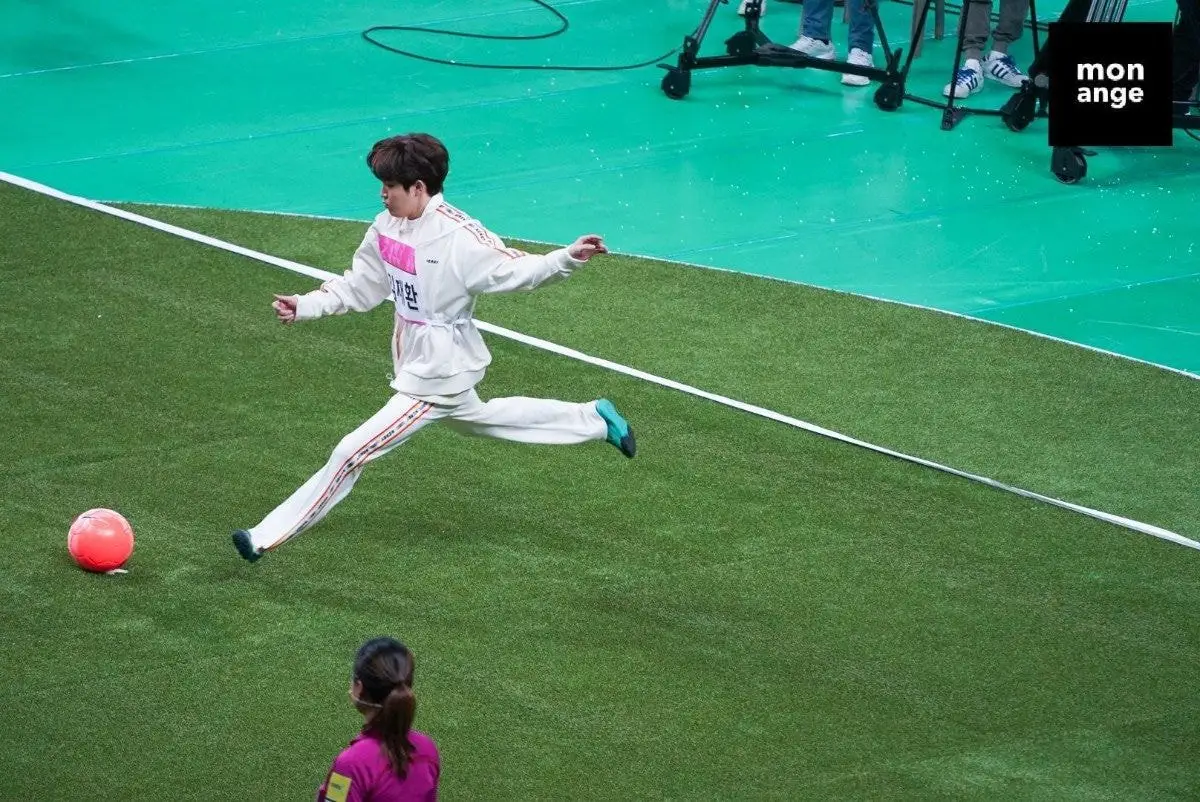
(999, 65)
(1186, 51)
(976, 20)
(862, 40)
(814, 30)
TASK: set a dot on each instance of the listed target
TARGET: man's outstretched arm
(486, 265)
(360, 289)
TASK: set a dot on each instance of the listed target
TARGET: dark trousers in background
(1186, 51)
(977, 19)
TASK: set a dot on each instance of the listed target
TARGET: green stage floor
(785, 173)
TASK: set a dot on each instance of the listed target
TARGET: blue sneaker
(1000, 67)
(241, 541)
(967, 81)
(619, 433)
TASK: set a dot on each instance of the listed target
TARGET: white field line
(1117, 520)
(911, 305)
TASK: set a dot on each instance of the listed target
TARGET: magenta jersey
(362, 772)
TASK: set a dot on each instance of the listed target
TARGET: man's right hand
(586, 247)
(285, 308)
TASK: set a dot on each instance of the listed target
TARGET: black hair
(384, 666)
(410, 158)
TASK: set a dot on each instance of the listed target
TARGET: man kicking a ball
(434, 261)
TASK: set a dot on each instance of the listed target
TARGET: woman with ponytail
(388, 761)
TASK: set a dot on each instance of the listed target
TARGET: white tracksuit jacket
(433, 267)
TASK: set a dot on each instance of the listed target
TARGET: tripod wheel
(889, 96)
(676, 83)
(1020, 110)
(1068, 165)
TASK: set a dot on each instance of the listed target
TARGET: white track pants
(525, 420)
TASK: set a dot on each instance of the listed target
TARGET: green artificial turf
(744, 611)
(1093, 429)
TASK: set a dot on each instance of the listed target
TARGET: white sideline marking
(960, 315)
(1136, 526)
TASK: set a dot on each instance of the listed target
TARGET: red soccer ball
(100, 540)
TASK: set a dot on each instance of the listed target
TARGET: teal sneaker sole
(620, 433)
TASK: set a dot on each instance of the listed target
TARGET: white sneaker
(859, 58)
(1000, 67)
(813, 47)
(762, 8)
(967, 81)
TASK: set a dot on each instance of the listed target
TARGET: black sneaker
(241, 541)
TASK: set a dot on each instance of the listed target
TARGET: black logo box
(1085, 56)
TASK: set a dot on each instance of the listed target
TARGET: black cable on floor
(564, 24)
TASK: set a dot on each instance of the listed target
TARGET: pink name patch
(398, 255)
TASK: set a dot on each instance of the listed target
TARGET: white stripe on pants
(524, 420)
